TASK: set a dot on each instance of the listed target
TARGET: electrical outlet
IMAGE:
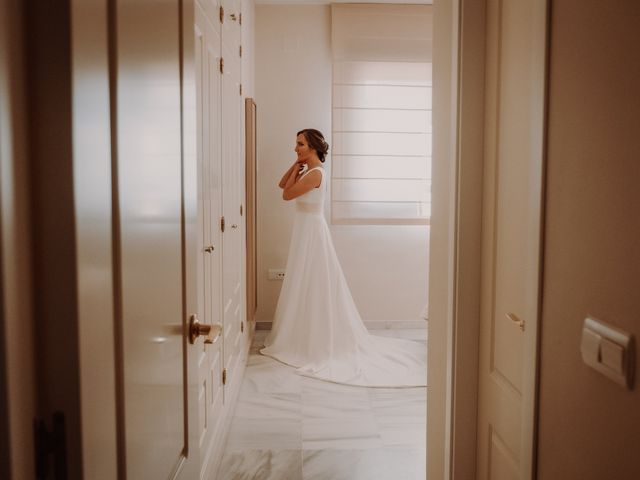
(276, 273)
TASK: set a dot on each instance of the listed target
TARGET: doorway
(294, 90)
(449, 410)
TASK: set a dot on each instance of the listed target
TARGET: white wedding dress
(317, 327)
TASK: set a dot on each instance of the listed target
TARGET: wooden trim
(18, 397)
(441, 258)
(467, 241)
(251, 208)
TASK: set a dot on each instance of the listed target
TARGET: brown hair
(316, 141)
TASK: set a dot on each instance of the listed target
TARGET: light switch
(608, 350)
(612, 355)
(590, 346)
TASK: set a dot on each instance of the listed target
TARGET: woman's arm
(297, 186)
(283, 181)
(293, 176)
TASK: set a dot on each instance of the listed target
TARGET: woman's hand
(294, 171)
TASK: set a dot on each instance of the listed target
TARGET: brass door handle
(209, 249)
(210, 332)
(234, 226)
(515, 319)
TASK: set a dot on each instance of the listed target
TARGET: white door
(153, 242)
(514, 103)
(210, 361)
(233, 233)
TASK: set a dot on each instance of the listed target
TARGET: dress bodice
(313, 200)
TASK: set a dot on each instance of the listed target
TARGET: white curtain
(381, 149)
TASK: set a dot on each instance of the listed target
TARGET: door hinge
(242, 327)
(221, 65)
(240, 19)
(241, 210)
(222, 224)
(221, 14)
(224, 376)
(240, 89)
(49, 444)
(240, 50)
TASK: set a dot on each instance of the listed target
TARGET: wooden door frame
(250, 210)
(18, 398)
(455, 243)
(454, 264)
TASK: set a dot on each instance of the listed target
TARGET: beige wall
(590, 426)
(386, 267)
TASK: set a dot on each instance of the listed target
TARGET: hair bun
(316, 141)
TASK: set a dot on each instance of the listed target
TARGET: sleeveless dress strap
(315, 168)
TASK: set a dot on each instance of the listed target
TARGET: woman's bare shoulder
(314, 175)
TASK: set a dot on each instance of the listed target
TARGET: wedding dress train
(317, 327)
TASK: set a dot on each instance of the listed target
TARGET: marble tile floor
(290, 427)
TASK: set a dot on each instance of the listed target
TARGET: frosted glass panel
(381, 143)
(381, 96)
(369, 166)
(387, 190)
(347, 120)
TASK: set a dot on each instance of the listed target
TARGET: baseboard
(370, 324)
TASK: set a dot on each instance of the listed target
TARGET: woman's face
(303, 149)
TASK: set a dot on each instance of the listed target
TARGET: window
(381, 153)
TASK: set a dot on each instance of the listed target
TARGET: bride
(317, 327)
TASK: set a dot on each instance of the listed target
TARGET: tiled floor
(290, 427)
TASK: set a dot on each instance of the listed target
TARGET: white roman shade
(381, 153)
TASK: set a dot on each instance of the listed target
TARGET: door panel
(149, 200)
(501, 465)
(233, 294)
(231, 24)
(210, 395)
(18, 397)
(514, 103)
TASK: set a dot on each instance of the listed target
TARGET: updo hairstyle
(316, 140)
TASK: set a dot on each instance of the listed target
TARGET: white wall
(386, 266)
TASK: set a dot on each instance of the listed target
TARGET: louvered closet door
(210, 361)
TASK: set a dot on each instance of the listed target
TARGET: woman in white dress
(317, 327)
